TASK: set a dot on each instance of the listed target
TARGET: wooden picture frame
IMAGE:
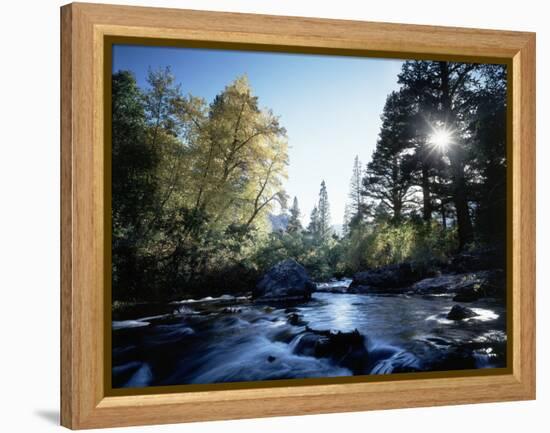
(85, 259)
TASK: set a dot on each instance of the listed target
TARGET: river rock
(438, 285)
(467, 287)
(446, 357)
(295, 319)
(347, 349)
(386, 279)
(286, 281)
(458, 312)
(482, 284)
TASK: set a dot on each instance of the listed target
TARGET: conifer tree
(324, 213)
(346, 222)
(294, 224)
(313, 226)
(355, 196)
(388, 176)
(449, 87)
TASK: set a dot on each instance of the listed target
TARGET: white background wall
(29, 215)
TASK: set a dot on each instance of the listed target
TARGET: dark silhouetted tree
(388, 176)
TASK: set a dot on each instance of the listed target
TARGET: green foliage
(322, 260)
(389, 243)
(294, 224)
(313, 226)
(319, 223)
(134, 185)
(356, 209)
(192, 186)
(462, 183)
(324, 213)
(194, 181)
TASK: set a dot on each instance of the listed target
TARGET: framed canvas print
(270, 216)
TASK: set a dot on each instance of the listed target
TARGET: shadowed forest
(196, 182)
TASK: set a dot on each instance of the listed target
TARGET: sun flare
(441, 139)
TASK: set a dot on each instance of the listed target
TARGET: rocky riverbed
(336, 328)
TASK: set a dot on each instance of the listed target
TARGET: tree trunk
(464, 223)
(427, 200)
(397, 209)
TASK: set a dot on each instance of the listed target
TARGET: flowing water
(228, 339)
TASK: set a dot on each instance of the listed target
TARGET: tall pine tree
(294, 224)
(313, 226)
(388, 176)
(356, 208)
(489, 131)
(449, 87)
(324, 213)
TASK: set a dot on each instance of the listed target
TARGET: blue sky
(330, 105)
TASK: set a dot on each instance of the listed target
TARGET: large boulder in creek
(440, 285)
(467, 287)
(387, 279)
(480, 285)
(347, 349)
(286, 281)
(458, 312)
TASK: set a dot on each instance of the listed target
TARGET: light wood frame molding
(83, 31)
